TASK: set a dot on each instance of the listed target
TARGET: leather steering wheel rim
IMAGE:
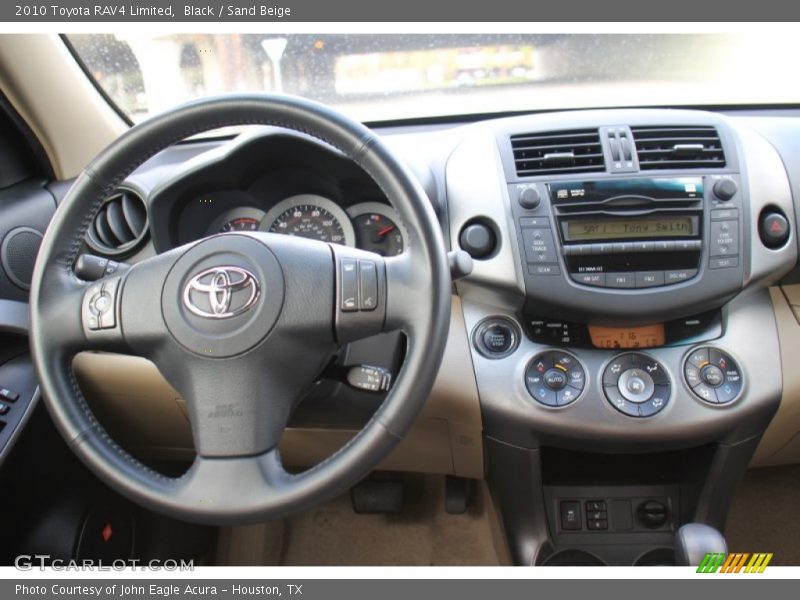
(249, 484)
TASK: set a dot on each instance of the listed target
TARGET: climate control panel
(636, 385)
(555, 378)
(713, 375)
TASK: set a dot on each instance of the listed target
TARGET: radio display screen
(649, 336)
(609, 229)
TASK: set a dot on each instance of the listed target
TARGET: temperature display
(649, 336)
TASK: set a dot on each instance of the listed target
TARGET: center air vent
(557, 152)
(120, 225)
(678, 148)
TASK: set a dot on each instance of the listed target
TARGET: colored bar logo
(737, 562)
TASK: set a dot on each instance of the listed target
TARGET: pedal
(377, 497)
(457, 491)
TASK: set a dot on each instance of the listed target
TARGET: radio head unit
(630, 236)
(630, 233)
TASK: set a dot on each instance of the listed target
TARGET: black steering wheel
(240, 324)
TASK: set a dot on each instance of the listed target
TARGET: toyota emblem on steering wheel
(221, 292)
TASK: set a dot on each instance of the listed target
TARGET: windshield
(393, 77)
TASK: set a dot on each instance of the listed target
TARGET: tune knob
(725, 189)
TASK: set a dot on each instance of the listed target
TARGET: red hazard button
(774, 229)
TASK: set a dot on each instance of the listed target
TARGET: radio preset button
(596, 279)
(645, 279)
(621, 280)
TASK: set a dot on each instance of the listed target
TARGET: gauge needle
(385, 230)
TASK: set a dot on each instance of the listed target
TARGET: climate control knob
(555, 378)
(713, 375)
(636, 385)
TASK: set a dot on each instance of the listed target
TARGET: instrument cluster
(372, 226)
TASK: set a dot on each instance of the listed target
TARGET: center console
(624, 340)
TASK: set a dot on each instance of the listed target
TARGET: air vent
(557, 152)
(120, 225)
(678, 148)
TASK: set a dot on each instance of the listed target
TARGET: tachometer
(377, 228)
(236, 219)
(310, 216)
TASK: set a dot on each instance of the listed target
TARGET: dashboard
(631, 316)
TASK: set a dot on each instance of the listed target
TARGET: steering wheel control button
(555, 378)
(99, 305)
(636, 385)
(368, 285)
(496, 337)
(349, 285)
(713, 376)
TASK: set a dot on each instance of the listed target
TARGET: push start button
(496, 337)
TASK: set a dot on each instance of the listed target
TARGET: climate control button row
(555, 378)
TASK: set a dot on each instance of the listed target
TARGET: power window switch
(4, 408)
(571, 515)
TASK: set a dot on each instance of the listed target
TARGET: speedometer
(310, 216)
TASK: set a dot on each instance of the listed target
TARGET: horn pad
(223, 296)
